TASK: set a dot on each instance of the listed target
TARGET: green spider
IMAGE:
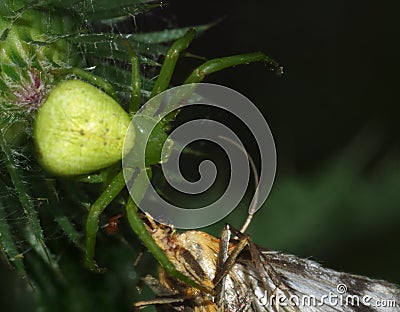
(117, 184)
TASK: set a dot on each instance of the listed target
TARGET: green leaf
(7, 244)
(112, 46)
(34, 230)
(168, 35)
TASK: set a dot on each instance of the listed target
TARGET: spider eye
(79, 129)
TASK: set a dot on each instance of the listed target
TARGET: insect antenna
(253, 167)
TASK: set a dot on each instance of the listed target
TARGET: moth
(236, 275)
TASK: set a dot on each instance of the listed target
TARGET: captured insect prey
(237, 275)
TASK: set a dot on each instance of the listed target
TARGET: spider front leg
(161, 84)
(207, 68)
(219, 64)
(92, 222)
(90, 77)
(168, 67)
(139, 228)
(117, 184)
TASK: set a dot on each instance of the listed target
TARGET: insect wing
(295, 284)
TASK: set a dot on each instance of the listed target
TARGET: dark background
(334, 116)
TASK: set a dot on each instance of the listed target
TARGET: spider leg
(98, 81)
(117, 184)
(171, 58)
(139, 228)
(218, 64)
(92, 222)
(135, 80)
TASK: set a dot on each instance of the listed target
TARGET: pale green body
(79, 129)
